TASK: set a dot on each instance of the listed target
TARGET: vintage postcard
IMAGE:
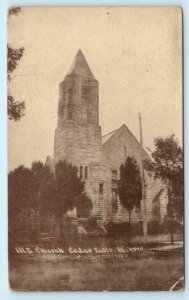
(95, 182)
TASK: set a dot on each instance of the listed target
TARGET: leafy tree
(21, 192)
(83, 206)
(42, 190)
(44, 182)
(30, 190)
(178, 196)
(21, 197)
(68, 187)
(129, 185)
(15, 108)
(167, 165)
(13, 11)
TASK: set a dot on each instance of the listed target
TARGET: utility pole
(143, 183)
(75, 207)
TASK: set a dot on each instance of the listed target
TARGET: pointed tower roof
(80, 66)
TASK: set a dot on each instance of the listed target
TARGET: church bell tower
(78, 134)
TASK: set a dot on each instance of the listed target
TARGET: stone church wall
(78, 140)
(115, 150)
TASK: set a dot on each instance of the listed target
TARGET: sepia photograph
(95, 149)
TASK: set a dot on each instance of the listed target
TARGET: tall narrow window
(125, 152)
(70, 108)
(114, 201)
(114, 174)
(63, 104)
(86, 172)
(70, 103)
(81, 172)
(114, 179)
(101, 189)
(85, 90)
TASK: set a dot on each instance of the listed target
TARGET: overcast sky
(135, 54)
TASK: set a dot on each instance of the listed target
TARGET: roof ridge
(110, 132)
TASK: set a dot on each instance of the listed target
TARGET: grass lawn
(146, 272)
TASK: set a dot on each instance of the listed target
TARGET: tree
(15, 108)
(31, 190)
(43, 190)
(83, 206)
(21, 191)
(178, 195)
(68, 188)
(129, 185)
(167, 165)
(21, 198)
(13, 11)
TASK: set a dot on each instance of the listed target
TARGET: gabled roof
(80, 66)
(107, 137)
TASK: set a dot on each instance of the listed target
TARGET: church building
(78, 139)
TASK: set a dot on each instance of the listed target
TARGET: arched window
(86, 172)
(81, 172)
